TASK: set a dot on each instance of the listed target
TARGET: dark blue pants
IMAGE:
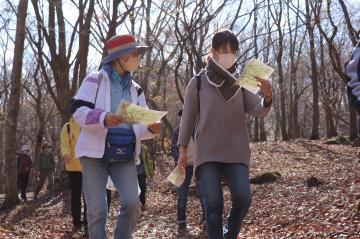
(237, 176)
(182, 196)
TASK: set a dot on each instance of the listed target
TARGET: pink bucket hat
(120, 45)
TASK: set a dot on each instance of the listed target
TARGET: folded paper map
(254, 68)
(176, 177)
(134, 114)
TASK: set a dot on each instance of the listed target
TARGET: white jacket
(91, 140)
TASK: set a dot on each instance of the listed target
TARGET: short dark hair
(223, 37)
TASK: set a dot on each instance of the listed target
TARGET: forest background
(48, 47)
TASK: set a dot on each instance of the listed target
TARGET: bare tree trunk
(353, 34)
(293, 128)
(11, 197)
(326, 94)
(80, 68)
(256, 129)
(276, 14)
(145, 82)
(60, 50)
(335, 54)
(296, 132)
(353, 125)
(263, 136)
(2, 156)
(262, 130)
(256, 54)
(277, 124)
(314, 74)
(4, 99)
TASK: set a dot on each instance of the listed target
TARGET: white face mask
(226, 60)
(132, 64)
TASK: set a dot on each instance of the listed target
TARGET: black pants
(108, 198)
(75, 184)
(142, 185)
(22, 185)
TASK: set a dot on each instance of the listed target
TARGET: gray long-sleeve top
(352, 70)
(221, 134)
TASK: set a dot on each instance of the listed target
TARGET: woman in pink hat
(106, 145)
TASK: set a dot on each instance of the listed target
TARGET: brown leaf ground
(284, 209)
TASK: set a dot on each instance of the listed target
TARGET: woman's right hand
(111, 119)
(182, 158)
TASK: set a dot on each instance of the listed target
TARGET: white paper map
(254, 68)
(176, 177)
(134, 114)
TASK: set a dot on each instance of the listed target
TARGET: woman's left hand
(154, 128)
(265, 88)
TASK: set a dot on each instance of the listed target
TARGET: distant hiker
(24, 164)
(103, 134)
(144, 171)
(68, 138)
(183, 190)
(45, 166)
(221, 143)
(352, 70)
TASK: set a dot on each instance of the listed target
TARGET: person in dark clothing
(24, 164)
(183, 190)
(45, 166)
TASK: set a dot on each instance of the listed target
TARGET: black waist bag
(119, 145)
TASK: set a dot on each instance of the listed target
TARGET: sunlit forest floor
(286, 208)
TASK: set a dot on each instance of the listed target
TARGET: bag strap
(198, 87)
(68, 128)
(139, 91)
